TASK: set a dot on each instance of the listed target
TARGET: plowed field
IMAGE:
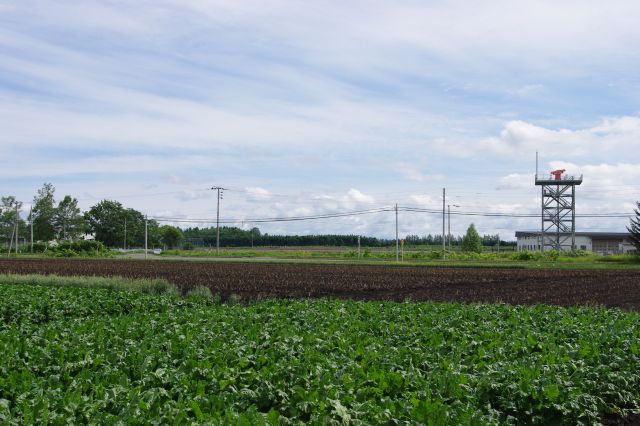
(612, 288)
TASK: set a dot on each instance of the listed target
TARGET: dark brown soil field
(611, 288)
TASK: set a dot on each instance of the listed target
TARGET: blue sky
(319, 107)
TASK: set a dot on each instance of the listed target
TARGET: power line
(377, 210)
(277, 219)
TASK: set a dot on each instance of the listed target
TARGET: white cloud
(257, 193)
(611, 139)
(106, 164)
(528, 90)
(516, 181)
(187, 195)
(359, 197)
(174, 179)
(414, 173)
(426, 201)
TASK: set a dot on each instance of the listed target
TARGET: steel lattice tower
(558, 216)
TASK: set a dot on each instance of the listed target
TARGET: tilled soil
(611, 288)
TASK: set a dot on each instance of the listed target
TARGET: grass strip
(142, 285)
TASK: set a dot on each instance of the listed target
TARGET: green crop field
(94, 353)
(414, 256)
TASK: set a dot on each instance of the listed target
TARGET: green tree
(634, 229)
(472, 241)
(135, 228)
(8, 218)
(153, 234)
(105, 221)
(109, 221)
(43, 213)
(170, 236)
(68, 221)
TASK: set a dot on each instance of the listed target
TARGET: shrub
(522, 255)
(577, 253)
(40, 247)
(434, 254)
(234, 300)
(202, 292)
(64, 252)
(84, 248)
(471, 242)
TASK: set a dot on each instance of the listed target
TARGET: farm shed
(596, 242)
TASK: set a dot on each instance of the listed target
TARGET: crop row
(74, 355)
(614, 288)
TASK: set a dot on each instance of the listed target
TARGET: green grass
(549, 260)
(148, 286)
(79, 355)
(367, 253)
(409, 255)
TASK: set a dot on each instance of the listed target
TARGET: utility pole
(220, 195)
(124, 245)
(17, 226)
(13, 230)
(11, 242)
(358, 246)
(443, 217)
(449, 223)
(449, 226)
(31, 225)
(146, 234)
(397, 244)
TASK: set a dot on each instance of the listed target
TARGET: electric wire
(373, 211)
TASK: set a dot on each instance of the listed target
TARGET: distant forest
(236, 237)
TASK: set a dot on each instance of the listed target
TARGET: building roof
(592, 235)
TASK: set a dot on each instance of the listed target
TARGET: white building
(596, 242)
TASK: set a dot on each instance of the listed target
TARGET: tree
(67, 219)
(472, 241)
(170, 236)
(634, 229)
(135, 228)
(153, 233)
(106, 221)
(43, 213)
(8, 218)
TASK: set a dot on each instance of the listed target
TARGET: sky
(302, 108)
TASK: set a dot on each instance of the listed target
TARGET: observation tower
(558, 216)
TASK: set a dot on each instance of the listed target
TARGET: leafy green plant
(204, 293)
(71, 354)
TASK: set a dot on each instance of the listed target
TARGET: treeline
(236, 237)
(117, 226)
(108, 222)
(487, 240)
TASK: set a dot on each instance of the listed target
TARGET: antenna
(536, 164)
